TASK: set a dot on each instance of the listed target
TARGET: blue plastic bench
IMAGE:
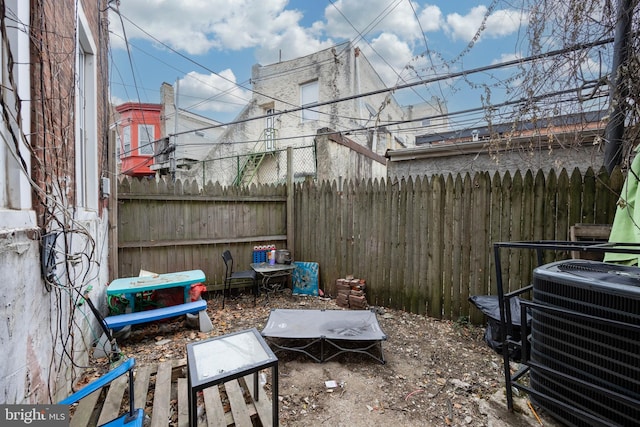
(119, 321)
(134, 417)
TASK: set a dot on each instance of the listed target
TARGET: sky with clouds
(209, 46)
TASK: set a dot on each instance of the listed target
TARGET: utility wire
(198, 64)
(361, 35)
(133, 74)
(454, 75)
(468, 111)
(427, 53)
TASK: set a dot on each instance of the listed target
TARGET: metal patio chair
(237, 278)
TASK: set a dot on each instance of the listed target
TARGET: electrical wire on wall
(70, 256)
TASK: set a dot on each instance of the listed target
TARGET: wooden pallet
(163, 390)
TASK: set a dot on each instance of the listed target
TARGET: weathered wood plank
(527, 257)
(448, 309)
(263, 405)
(436, 233)
(141, 384)
(512, 275)
(213, 407)
(465, 264)
(84, 410)
(419, 222)
(588, 197)
(378, 273)
(113, 402)
(241, 416)
(507, 198)
(457, 210)
(550, 193)
(162, 395)
(395, 294)
(183, 402)
(399, 255)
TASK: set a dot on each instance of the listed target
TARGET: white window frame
(269, 130)
(86, 177)
(15, 191)
(309, 96)
(126, 141)
(146, 136)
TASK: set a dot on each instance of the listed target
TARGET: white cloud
(499, 24)
(505, 22)
(431, 18)
(292, 43)
(506, 57)
(116, 100)
(396, 53)
(395, 31)
(347, 19)
(211, 92)
(197, 26)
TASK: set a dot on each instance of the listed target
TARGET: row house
(155, 139)
(54, 201)
(138, 129)
(294, 105)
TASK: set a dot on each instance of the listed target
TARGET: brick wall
(53, 56)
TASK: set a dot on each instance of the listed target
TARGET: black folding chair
(237, 278)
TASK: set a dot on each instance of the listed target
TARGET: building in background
(138, 129)
(186, 140)
(561, 142)
(295, 104)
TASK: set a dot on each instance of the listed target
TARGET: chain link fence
(264, 167)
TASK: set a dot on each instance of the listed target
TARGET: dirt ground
(437, 373)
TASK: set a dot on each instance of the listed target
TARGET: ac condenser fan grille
(589, 361)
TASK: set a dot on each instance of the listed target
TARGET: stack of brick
(351, 293)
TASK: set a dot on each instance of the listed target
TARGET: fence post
(290, 201)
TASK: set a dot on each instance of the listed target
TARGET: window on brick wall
(86, 118)
(309, 98)
(15, 190)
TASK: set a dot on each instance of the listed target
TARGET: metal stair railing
(249, 168)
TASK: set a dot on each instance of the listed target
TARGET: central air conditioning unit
(584, 361)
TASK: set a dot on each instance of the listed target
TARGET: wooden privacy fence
(423, 245)
(165, 226)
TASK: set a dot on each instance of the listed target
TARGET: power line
(201, 65)
(361, 36)
(180, 71)
(211, 71)
(521, 61)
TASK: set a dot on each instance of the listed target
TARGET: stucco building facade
(335, 89)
